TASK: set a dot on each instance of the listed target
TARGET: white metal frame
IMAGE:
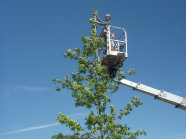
(179, 102)
(109, 40)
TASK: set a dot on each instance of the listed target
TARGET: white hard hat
(107, 15)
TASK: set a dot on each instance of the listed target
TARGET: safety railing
(114, 44)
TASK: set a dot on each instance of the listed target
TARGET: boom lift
(115, 53)
(179, 102)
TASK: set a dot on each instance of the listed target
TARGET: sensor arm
(179, 102)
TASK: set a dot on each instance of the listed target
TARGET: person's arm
(98, 19)
(97, 22)
(105, 23)
(101, 22)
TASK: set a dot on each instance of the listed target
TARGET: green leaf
(69, 51)
(131, 72)
(58, 88)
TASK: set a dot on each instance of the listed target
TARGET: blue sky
(35, 34)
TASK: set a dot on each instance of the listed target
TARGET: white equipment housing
(167, 97)
(115, 52)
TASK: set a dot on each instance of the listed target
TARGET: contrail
(32, 88)
(30, 128)
(73, 116)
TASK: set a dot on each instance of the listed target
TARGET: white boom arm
(167, 97)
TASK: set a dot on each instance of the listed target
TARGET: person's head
(112, 35)
(107, 17)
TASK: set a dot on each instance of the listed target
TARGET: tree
(61, 136)
(90, 86)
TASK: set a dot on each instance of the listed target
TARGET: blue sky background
(34, 34)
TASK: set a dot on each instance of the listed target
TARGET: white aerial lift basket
(115, 51)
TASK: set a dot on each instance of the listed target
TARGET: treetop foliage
(91, 87)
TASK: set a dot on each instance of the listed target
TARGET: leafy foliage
(91, 87)
(61, 136)
(131, 72)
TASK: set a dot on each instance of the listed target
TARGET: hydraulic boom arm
(167, 97)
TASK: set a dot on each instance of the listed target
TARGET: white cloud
(32, 88)
(177, 136)
(73, 116)
(180, 136)
(20, 88)
(30, 128)
(77, 116)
